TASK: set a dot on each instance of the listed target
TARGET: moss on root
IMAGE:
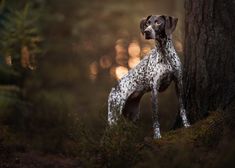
(205, 131)
(185, 147)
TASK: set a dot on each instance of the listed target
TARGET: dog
(154, 73)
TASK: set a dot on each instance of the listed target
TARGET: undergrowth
(125, 145)
(204, 144)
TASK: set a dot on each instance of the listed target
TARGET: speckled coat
(154, 73)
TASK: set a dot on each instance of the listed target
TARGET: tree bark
(209, 64)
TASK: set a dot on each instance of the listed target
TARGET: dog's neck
(163, 42)
(166, 48)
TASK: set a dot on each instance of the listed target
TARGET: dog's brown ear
(143, 24)
(170, 24)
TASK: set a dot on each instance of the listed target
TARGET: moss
(204, 130)
(185, 147)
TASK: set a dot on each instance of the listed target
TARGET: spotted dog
(154, 73)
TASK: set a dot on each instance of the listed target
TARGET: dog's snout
(147, 32)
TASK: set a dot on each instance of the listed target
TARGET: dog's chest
(159, 70)
(165, 81)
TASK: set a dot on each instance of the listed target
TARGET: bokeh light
(134, 53)
(105, 62)
(146, 49)
(132, 62)
(121, 56)
(120, 71)
(134, 49)
(93, 70)
(178, 46)
(8, 60)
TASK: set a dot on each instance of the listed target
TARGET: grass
(203, 144)
(124, 145)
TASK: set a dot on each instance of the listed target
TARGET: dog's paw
(157, 136)
(186, 125)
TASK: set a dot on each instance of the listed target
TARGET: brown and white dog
(154, 73)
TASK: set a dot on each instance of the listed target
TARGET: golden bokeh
(120, 71)
(93, 67)
(178, 46)
(134, 49)
(145, 50)
(134, 53)
(105, 62)
(8, 60)
(121, 56)
(132, 62)
(25, 56)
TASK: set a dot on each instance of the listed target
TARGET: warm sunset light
(132, 62)
(93, 70)
(25, 54)
(178, 46)
(134, 49)
(105, 62)
(120, 71)
(8, 60)
(134, 53)
(121, 56)
(145, 50)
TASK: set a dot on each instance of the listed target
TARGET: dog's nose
(147, 32)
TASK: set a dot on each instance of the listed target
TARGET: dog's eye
(157, 21)
(148, 22)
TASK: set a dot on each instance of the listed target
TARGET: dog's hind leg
(111, 117)
(112, 107)
(179, 91)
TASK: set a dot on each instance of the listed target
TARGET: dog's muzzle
(149, 33)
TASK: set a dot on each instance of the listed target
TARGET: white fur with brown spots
(154, 73)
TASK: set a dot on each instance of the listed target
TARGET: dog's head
(157, 26)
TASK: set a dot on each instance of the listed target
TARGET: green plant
(116, 146)
(120, 145)
(19, 45)
(20, 37)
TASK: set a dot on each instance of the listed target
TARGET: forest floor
(201, 145)
(31, 159)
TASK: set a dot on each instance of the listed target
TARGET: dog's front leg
(179, 92)
(156, 125)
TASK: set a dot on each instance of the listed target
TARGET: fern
(20, 37)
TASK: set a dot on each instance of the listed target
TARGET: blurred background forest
(58, 62)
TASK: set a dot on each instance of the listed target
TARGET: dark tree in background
(209, 65)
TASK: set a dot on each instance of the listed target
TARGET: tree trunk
(209, 64)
